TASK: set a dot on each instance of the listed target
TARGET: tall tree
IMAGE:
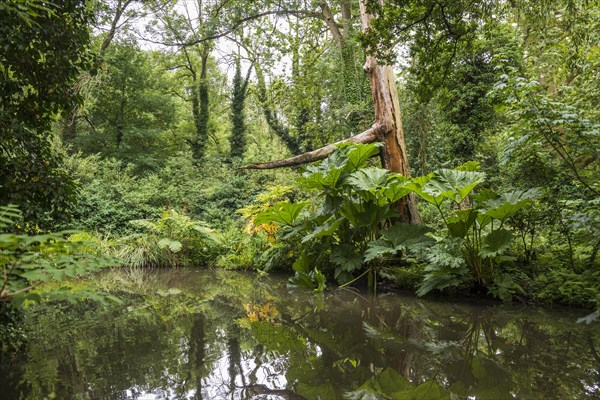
(43, 48)
(129, 111)
(110, 17)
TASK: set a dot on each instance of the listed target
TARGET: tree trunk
(200, 107)
(389, 117)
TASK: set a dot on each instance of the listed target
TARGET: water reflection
(233, 336)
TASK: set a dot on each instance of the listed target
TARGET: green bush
(564, 286)
(173, 240)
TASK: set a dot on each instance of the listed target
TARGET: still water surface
(229, 335)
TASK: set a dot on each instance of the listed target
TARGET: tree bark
(368, 136)
(389, 117)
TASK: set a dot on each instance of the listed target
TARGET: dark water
(235, 336)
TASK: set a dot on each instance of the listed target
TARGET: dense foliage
(43, 48)
(133, 133)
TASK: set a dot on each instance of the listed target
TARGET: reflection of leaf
(313, 280)
(363, 394)
(380, 334)
(277, 338)
(588, 319)
(390, 381)
(493, 380)
(310, 392)
(429, 390)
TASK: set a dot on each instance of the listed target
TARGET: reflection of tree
(177, 345)
(197, 352)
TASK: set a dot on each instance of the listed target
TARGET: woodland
(447, 148)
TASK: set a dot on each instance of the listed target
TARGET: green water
(227, 335)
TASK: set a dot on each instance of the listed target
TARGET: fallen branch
(368, 136)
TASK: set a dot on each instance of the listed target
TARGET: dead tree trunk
(388, 116)
(387, 128)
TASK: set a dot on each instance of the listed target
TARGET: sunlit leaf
(368, 179)
(284, 213)
(396, 188)
(358, 154)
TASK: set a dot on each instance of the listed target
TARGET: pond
(231, 335)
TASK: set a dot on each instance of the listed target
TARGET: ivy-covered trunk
(200, 109)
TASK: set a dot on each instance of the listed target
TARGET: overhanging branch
(368, 136)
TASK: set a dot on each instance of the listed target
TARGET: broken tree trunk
(387, 129)
(388, 116)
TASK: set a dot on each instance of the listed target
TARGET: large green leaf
(345, 257)
(313, 280)
(363, 394)
(380, 248)
(328, 228)
(396, 188)
(358, 154)
(399, 238)
(408, 235)
(452, 184)
(495, 243)
(326, 174)
(322, 180)
(417, 185)
(508, 203)
(460, 223)
(389, 381)
(173, 245)
(284, 213)
(302, 263)
(363, 214)
(369, 182)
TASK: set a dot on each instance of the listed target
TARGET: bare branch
(368, 136)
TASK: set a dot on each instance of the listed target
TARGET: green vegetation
(130, 131)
